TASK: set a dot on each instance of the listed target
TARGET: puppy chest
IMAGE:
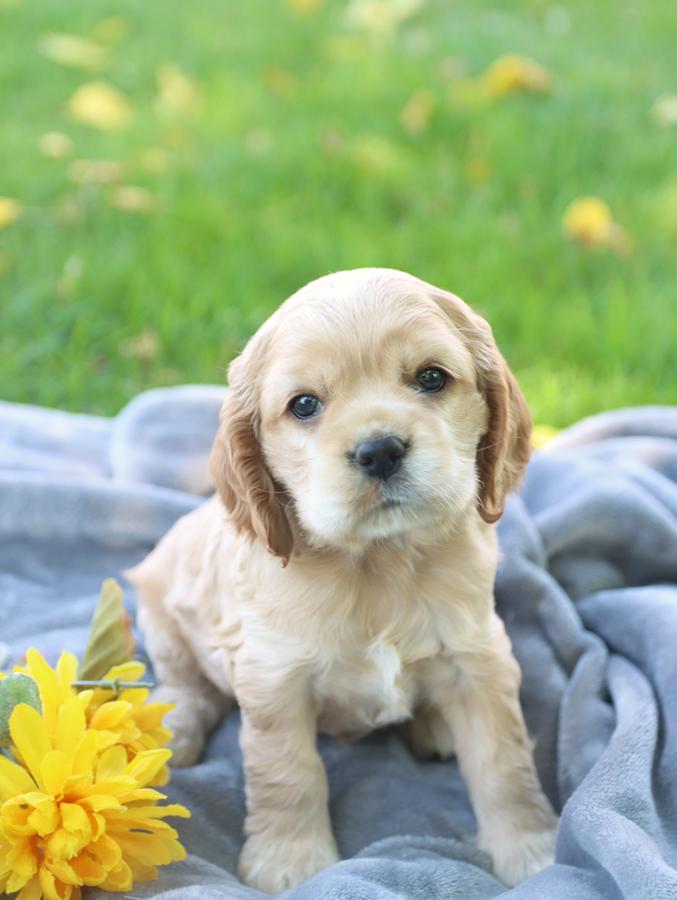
(365, 690)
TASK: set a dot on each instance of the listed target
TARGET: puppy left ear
(504, 451)
(247, 489)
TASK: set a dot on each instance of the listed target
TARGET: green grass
(270, 186)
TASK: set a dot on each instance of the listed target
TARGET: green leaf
(16, 689)
(111, 641)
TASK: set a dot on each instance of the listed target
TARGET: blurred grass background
(260, 144)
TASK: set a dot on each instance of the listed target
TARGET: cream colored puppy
(342, 579)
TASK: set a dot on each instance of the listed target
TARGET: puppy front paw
(273, 865)
(522, 854)
(186, 748)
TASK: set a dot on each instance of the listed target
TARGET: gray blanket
(587, 587)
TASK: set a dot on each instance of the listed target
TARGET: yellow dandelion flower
(512, 73)
(101, 106)
(78, 812)
(589, 222)
(509, 74)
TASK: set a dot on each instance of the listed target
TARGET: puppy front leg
(289, 835)
(516, 824)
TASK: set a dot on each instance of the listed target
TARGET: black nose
(380, 457)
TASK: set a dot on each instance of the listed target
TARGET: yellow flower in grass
(589, 222)
(78, 812)
(127, 717)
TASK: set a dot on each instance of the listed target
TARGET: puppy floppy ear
(247, 489)
(504, 449)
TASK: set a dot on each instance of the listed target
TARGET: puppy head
(369, 404)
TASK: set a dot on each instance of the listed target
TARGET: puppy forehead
(327, 335)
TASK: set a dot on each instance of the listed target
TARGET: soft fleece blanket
(587, 587)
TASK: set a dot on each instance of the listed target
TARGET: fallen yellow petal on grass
(177, 93)
(589, 222)
(74, 51)
(512, 73)
(664, 110)
(132, 199)
(96, 171)
(100, 105)
(415, 117)
(509, 74)
(10, 211)
(55, 145)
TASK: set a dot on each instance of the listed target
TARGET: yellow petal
(14, 779)
(61, 869)
(29, 734)
(67, 668)
(511, 73)
(55, 769)
(133, 670)
(31, 891)
(45, 817)
(101, 106)
(74, 818)
(10, 210)
(51, 692)
(23, 863)
(589, 222)
(70, 727)
(89, 746)
(111, 763)
(110, 715)
(146, 765)
(119, 879)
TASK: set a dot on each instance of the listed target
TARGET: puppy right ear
(243, 481)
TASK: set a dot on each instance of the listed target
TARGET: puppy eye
(431, 380)
(305, 406)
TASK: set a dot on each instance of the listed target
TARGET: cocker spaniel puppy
(342, 577)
